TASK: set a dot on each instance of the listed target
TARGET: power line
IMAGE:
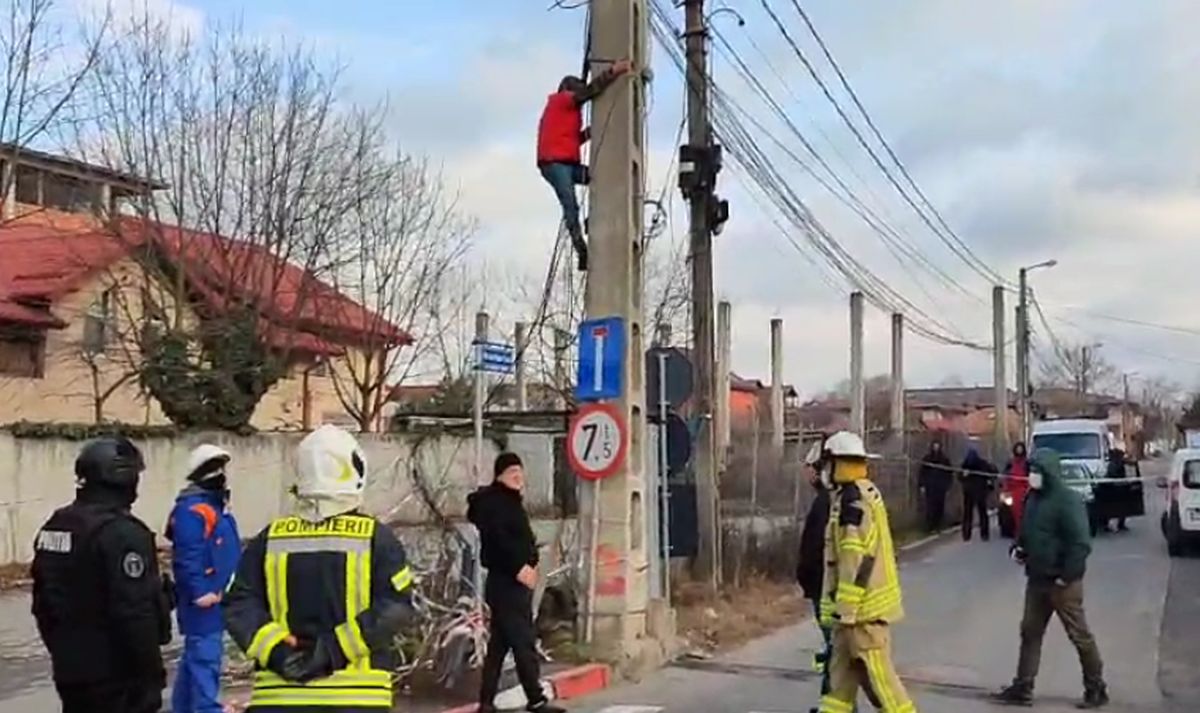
(948, 237)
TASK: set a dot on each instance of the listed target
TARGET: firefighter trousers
(862, 658)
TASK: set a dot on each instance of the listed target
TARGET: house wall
(65, 393)
(36, 477)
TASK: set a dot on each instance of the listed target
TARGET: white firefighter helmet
(201, 461)
(331, 474)
(845, 444)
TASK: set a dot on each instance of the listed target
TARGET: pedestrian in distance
(1016, 482)
(99, 601)
(1116, 471)
(320, 594)
(510, 555)
(861, 596)
(560, 140)
(1053, 545)
(978, 481)
(205, 552)
(935, 478)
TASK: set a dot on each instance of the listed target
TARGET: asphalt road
(960, 638)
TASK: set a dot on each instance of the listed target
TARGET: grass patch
(736, 615)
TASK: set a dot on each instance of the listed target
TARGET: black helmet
(113, 461)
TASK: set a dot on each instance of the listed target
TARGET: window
(29, 185)
(1071, 445)
(67, 193)
(23, 355)
(1191, 475)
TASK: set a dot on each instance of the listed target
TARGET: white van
(1181, 521)
(1084, 445)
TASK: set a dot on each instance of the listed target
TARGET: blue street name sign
(601, 359)
(495, 357)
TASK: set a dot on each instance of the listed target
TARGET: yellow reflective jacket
(861, 580)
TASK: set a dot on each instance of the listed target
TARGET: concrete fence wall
(37, 476)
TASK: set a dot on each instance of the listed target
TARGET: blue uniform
(205, 557)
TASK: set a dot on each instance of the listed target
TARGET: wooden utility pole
(625, 625)
(698, 168)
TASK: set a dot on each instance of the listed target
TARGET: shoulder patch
(133, 565)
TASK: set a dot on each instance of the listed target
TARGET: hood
(1049, 462)
(192, 490)
(331, 474)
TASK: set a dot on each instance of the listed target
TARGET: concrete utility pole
(481, 336)
(858, 395)
(697, 179)
(621, 617)
(522, 341)
(1019, 362)
(999, 378)
(897, 400)
(724, 367)
(776, 389)
(1125, 419)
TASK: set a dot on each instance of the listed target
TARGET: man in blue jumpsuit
(205, 557)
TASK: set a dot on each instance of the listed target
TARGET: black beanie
(504, 461)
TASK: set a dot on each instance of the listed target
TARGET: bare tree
(1080, 367)
(43, 75)
(402, 240)
(254, 174)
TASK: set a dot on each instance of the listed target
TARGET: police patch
(133, 565)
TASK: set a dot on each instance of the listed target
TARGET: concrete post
(858, 396)
(723, 367)
(521, 340)
(776, 389)
(999, 380)
(897, 400)
(616, 548)
(1019, 364)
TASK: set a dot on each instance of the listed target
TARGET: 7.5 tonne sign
(596, 441)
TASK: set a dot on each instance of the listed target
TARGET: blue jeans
(198, 681)
(563, 177)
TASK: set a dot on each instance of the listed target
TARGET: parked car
(1181, 519)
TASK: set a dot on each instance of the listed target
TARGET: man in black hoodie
(510, 555)
(810, 565)
(978, 480)
(935, 480)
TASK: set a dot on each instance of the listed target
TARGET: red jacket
(560, 132)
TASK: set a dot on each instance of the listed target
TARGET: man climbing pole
(561, 136)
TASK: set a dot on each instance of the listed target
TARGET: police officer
(319, 595)
(861, 597)
(97, 595)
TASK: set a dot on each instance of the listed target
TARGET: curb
(565, 685)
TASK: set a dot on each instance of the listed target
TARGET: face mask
(215, 483)
(1035, 480)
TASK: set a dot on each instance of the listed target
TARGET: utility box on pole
(625, 625)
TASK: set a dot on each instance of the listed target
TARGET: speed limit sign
(596, 441)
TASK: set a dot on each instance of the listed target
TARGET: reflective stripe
(829, 704)
(849, 593)
(275, 568)
(340, 698)
(877, 670)
(402, 580)
(338, 679)
(324, 543)
(264, 642)
(853, 544)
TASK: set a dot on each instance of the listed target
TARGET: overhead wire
(947, 236)
(761, 170)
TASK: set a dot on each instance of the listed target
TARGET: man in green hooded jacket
(1053, 545)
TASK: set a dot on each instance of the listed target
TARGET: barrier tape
(1002, 476)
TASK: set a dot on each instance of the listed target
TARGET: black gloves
(306, 662)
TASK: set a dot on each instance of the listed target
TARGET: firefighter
(861, 597)
(319, 595)
(98, 598)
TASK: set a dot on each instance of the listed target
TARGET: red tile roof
(49, 254)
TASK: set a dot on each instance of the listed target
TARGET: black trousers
(975, 504)
(112, 697)
(935, 509)
(511, 605)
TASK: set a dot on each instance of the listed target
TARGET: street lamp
(1023, 345)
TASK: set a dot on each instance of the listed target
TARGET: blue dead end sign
(601, 359)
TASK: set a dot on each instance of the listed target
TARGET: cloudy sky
(1039, 129)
